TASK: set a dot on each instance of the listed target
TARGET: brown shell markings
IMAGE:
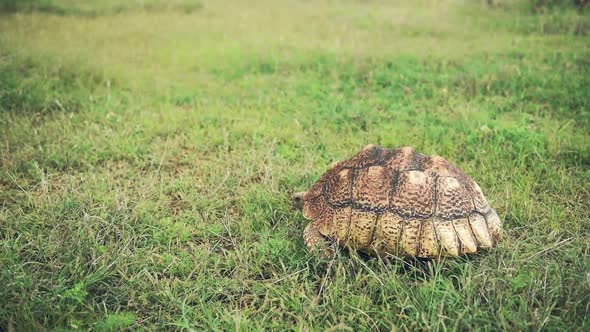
(402, 203)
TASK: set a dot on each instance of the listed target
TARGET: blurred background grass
(148, 150)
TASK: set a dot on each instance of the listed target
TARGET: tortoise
(398, 203)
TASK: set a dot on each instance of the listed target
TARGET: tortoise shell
(402, 203)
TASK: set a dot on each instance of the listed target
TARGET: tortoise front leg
(314, 240)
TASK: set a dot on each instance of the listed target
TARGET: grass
(98, 8)
(147, 158)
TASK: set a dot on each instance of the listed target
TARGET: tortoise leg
(314, 240)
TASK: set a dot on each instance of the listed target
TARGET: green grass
(86, 8)
(147, 157)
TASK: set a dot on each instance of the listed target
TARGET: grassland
(147, 155)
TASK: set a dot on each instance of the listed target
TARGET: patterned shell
(402, 203)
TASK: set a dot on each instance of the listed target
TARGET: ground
(148, 151)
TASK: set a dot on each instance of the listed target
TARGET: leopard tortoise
(398, 202)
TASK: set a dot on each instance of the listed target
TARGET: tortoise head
(297, 200)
